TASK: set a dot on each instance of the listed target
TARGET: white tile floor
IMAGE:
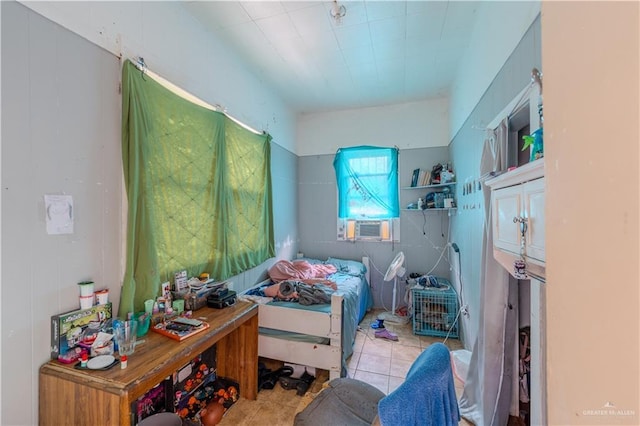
(384, 363)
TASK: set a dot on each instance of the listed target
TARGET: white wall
(420, 130)
(408, 125)
(498, 30)
(468, 225)
(61, 134)
(176, 46)
(591, 108)
(423, 235)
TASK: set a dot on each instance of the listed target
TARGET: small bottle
(419, 203)
(84, 359)
(123, 361)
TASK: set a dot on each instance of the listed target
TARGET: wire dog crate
(435, 310)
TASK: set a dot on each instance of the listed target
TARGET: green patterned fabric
(198, 187)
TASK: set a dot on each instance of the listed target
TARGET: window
(368, 207)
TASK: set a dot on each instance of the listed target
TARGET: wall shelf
(429, 210)
(438, 185)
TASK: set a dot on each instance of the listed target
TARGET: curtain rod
(144, 69)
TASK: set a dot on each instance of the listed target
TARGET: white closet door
(533, 194)
(507, 204)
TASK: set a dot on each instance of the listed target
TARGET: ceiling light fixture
(337, 12)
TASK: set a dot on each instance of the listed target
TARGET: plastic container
(144, 320)
(86, 288)
(162, 419)
(86, 302)
(461, 360)
(102, 297)
(537, 149)
(148, 306)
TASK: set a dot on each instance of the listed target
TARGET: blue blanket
(427, 396)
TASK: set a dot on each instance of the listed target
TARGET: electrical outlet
(465, 310)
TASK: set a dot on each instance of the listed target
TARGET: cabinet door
(507, 204)
(533, 198)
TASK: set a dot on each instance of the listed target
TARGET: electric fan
(395, 270)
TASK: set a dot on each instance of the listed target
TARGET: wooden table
(92, 397)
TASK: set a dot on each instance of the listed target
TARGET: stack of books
(180, 328)
(420, 177)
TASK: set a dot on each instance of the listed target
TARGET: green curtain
(198, 187)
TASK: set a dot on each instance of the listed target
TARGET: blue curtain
(367, 178)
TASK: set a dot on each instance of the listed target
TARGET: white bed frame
(321, 324)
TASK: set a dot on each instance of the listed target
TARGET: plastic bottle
(419, 203)
(123, 361)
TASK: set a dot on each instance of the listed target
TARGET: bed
(317, 335)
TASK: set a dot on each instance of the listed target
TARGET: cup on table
(102, 297)
(178, 305)
(148, 305)
(125, 332)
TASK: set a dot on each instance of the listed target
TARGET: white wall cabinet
(518, 202)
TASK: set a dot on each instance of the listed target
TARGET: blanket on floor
(427, 396)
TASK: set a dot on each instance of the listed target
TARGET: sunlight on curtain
(198, 187)
(367, 178)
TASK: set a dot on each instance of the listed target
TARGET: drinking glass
(125, 332)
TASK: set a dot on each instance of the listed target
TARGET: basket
(435, 311)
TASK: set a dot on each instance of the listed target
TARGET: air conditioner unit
(371, 229)
(368, 230)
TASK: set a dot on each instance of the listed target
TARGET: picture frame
(166, 290)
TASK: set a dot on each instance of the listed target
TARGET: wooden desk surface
(159, 356)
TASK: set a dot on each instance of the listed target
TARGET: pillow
(308, 259)
(349, 267)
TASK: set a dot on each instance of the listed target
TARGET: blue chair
(427, 397)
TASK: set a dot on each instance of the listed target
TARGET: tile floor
(384, 363)
(380, 362)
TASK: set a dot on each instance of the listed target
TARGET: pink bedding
(299, 270)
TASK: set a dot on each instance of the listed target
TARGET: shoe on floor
(301, 385)
(379, 324)
(267, 379)
(386, 334)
